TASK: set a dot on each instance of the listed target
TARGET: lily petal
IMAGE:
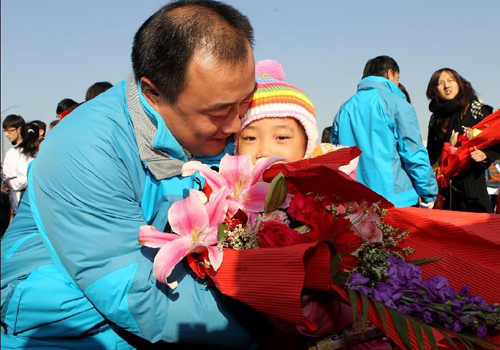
(212, 177)
(255, 198)
(188, 215)
(235, 169)
(215, 255)
(170, 255)
(149, 236)
(217, 207)
(261, 165)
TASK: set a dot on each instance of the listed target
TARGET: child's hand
(477, 155)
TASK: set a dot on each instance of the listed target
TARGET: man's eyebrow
(219, 106)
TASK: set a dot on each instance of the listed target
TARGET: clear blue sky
(55, 49)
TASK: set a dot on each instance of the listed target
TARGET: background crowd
(26, 138)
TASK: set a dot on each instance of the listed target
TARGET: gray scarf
(159, 163)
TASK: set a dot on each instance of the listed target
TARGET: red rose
(273, 234)
(344, 245)
(305, 208)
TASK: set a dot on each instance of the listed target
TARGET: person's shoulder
(13, 152)
(479, 109)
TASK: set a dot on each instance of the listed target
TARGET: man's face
(208, 111)
(13, 134)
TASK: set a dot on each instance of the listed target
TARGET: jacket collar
(379, 83)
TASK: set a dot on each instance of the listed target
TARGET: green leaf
(430, 336)
(340, 279)
(334, 264)
(354, 304)
(277, 193)
(447, 337)
(381, 311)
(423, 261)
(222, 233)
(401, 327)
(418, 332)
(364, 308)
(473, 339)
(466, 343)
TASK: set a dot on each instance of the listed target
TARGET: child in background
(281, 121)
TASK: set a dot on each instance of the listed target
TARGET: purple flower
(438, 289)
(481, 331)
(427, 316)
(356, 279)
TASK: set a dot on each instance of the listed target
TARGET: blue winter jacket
(73, 273)
(394, 163)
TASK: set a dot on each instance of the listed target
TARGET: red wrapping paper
(452, 165)
(321, 175)
(271, 279)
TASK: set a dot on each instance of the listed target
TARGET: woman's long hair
(30, 144)
(465, 88)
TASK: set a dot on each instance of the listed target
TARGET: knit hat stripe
(278, 99)
(280, 84)
(283, 110)
(282, 92)
(306, 120)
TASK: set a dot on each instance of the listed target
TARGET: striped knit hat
(274, 98)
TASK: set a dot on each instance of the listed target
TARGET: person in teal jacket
(73, 274)
(383, 125)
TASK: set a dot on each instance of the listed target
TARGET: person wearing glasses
(12, 128)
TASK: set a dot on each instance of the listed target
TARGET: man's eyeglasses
(9, 131)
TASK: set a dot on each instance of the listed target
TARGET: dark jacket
(468, 190)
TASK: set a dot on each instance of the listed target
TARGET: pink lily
(241, 179)
(195, 229)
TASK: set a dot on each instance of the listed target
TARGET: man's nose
(233, 124)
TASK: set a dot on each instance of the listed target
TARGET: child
(281, 121)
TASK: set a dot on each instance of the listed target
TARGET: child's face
(267, 137)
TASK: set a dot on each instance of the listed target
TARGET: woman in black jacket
(454, 105)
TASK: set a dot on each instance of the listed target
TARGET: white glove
(426, 205)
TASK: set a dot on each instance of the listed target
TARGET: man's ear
(150, 92)
(389, 74)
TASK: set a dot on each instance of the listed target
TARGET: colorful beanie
(274, 98)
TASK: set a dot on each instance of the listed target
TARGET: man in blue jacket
(74, 275)
(383, 125)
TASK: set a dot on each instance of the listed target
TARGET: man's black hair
(165, 44)
(379, 65)
(13, 121)
(97, 89)
(65, 105)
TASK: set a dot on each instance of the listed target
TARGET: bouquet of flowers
(317, 230)
(455, 156)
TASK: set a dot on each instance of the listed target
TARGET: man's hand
(477, 155)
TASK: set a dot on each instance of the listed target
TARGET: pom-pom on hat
(273, 98)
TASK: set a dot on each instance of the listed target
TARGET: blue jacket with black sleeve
(73, 272)
(383, 125)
